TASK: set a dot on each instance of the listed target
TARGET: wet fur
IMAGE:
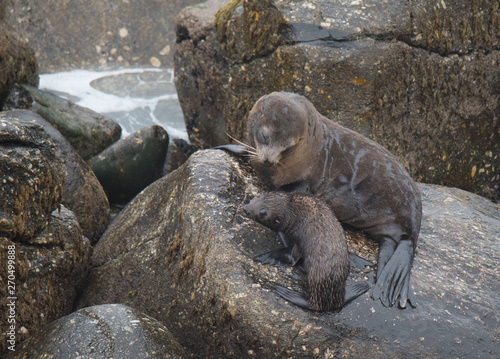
(365, 185)
(319, 237)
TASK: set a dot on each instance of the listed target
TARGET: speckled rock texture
(182, 250)
(87, 131)
(131, 164)
(117, 33)
(18, 62)
(40, 239)
(49, 271)
(420, 77)
(82, 192)
(104, 331)
(32, 177)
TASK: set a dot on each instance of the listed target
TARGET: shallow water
(134, 98)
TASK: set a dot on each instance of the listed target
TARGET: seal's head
(276, 126)
(272, 210)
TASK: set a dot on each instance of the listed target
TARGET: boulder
(82, 192)
(18, 63)
(87, 131)
(104, 331)
(128, 166)
(117, 34)
(45, 256)
(32, 177)
(408, 74)
(48, 271)
(181, 251)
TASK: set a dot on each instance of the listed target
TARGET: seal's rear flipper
(239, 150)
(354, 290)
(358, 262)
(280, 256)
(292, 296)
(393, 281)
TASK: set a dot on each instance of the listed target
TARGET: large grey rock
(182, 250)
(105, 331)
(49, 271)
(87, 131)
(18, 64)
(82, 192)
(420, 77)
(131, 164)
(117, 33)
(31, 176)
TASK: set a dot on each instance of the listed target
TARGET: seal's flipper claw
(393, 280)
(280, 256)
(354, 290)
(292, 296)
(358, 262)
(239, 150)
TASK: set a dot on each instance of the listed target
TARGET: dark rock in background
(105, 331)
(182, 250)
(87, 131)
(82, 192)
(18, 63)
(130, 165)
(117, 33)
(420, 77)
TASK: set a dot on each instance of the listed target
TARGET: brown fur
(296, 148)
(319, 237)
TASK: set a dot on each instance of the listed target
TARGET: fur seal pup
(320, 240)
(293, 147)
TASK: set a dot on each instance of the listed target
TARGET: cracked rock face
(182, 251)
(419, 77)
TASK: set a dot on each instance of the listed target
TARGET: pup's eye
(263, 212)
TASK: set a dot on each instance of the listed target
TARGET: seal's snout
(246, 208)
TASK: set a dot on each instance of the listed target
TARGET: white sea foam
(76, 85)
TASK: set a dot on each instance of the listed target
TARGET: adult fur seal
(320, 240)
(293, 147)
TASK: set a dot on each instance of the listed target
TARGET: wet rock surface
(104, 331)
(82, 192)
(130, 165)
(118, 33)
(18, 62)
(182, 251)
(87, 131)
(50, 270)
(41, 240)
(31, 175)
(401, 72)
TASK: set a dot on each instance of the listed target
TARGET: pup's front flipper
(292, 296)
(280, 256)
(354, 290)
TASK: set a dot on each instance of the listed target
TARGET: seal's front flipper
(393, 280)
(358, 262)
(239, 150)
(280, 256)
(292, 296)
(354, 290)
